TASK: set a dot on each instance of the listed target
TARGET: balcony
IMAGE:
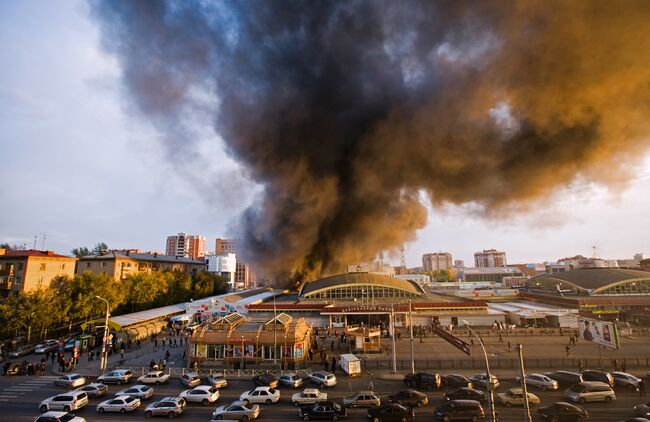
(6, 282)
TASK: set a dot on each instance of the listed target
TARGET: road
(20, 398)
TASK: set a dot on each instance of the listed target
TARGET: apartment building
(27, 270)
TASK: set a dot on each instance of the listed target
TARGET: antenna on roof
(402, 256)
(595, 252)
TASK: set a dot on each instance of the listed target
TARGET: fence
(501, 363)
(227, 373)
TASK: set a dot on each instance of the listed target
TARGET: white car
(140, 391)
(266, 395)
(67, 402)
(46, 345)
(70, 381)
(515, 397)
(540, 381)
(203, 394)
(120, 404)
(154, 377)
(59, 417)
(308, 396)
(322, 378)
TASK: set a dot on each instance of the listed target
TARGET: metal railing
(227, 373)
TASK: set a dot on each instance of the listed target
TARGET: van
(461, 410)
(590, 391)
(350, 364)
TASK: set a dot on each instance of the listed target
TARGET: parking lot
(20, 398)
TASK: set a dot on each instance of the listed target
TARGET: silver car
(95, 389)
(623, 379)
(70, 381)
(117, 376)
(140, 391)
(323, 379)
(190, 379)
(290, 380)
(540, 381)
(362, 399)
(238, 410)
(217, 380)
(120, 404)
(168, 406)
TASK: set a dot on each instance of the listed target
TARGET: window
(87, 264)
(43, 267)
(20, 266)
(103, 265)
(63, 266)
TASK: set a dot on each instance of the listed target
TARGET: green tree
(144, 290)
(100, 248)
(80, 252)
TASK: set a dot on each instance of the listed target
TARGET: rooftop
(592, 278)
(137, 256)
(10, 253)
(360, 278)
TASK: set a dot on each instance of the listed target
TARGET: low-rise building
(120, 264)
(27, 270)
(489, 274)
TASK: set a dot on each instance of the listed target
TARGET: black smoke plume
(350, 113)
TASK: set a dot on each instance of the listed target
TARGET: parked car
(562, 411)
(391, 412)
(70, 380)
(96, 389)
(16, 368)
(362, 399)
(423, 380)
(217, 380)
(515, 397)
(460, 410)
(238, 410)
(22, 351)
(190, 379)
(540, 381)
(140, 391)
(120, 404)
(59, 417)
(308, 396)
(117, 376)
(457, 381)
(67, 402)
(480, 380)
(410, 398)
(265, 380)
(323, 379)
(623, 379)
(290, 380)
(204, 394)
(46, 346)
(590, 391)
(465, 393)
(592, 375)
(168, 406)
(642, 409)
(154, 377)
(266, 395)
(69, 344)
(636, 420)
(566, 378)
(324, 410)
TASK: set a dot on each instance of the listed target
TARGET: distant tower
(402, 256)
(595, 252)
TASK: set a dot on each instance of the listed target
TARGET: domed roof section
(591, 279)
(358, 279)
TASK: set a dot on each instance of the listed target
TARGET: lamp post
(411, 336)
(275, 333)
(102, 365)
(392, 326)
(487, 373)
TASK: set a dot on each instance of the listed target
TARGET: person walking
(568, 351)
(509, 345)
(333, 364)
(500, 338)
(641, 387)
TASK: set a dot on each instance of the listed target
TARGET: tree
(143, 290)
(13, 247)
(80, 252)
(100, 248)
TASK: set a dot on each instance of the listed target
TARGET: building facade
(28, 270)
(490, 258)
(490, 274)
(186, 246)
(225, 265)
(437, 261)
(119, 264)
(244, 277)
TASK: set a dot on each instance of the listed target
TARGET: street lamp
(487, 373)
(102, 365)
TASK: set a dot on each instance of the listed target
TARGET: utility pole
(411, 336)
(103, 362)
(522, 374)
(275, 333)
(493, 416)
(392, 327)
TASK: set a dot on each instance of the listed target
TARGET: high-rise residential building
(459, 263)
(244, 277)
(437, 261)
(490, 258)
(186, 246)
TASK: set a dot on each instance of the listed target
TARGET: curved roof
(368, 279)
(593, 279)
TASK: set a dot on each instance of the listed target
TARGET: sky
(79, 167)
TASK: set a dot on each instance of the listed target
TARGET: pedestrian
(509, 345)
(500, 338)
(326, 365)
(580, 365)
(615, 365)
(623, 366)
(568, 351)
(641, 388)
(155, 343)
(52, 357)
(333, 363)
(167, 354)
(183, 355)
(332, 345)
(169, 340)
(174, 341)
(122, 353)
(152, 364)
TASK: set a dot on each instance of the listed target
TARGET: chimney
(49, 253)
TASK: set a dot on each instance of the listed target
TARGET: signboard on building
(599, 332)
(205, 309)
(452, 339)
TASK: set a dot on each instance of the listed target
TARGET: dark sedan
(592, 375)
(328, 410)
(266, 380)
(566, 378)
(457, 381)
(642, 409)
(562, 411)
(410, 398)
(466, 394)
(391, 412)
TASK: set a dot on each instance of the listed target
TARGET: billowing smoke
(351, 113)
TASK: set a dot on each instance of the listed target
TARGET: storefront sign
(599, 332)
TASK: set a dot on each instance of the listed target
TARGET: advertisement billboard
(599, 332)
